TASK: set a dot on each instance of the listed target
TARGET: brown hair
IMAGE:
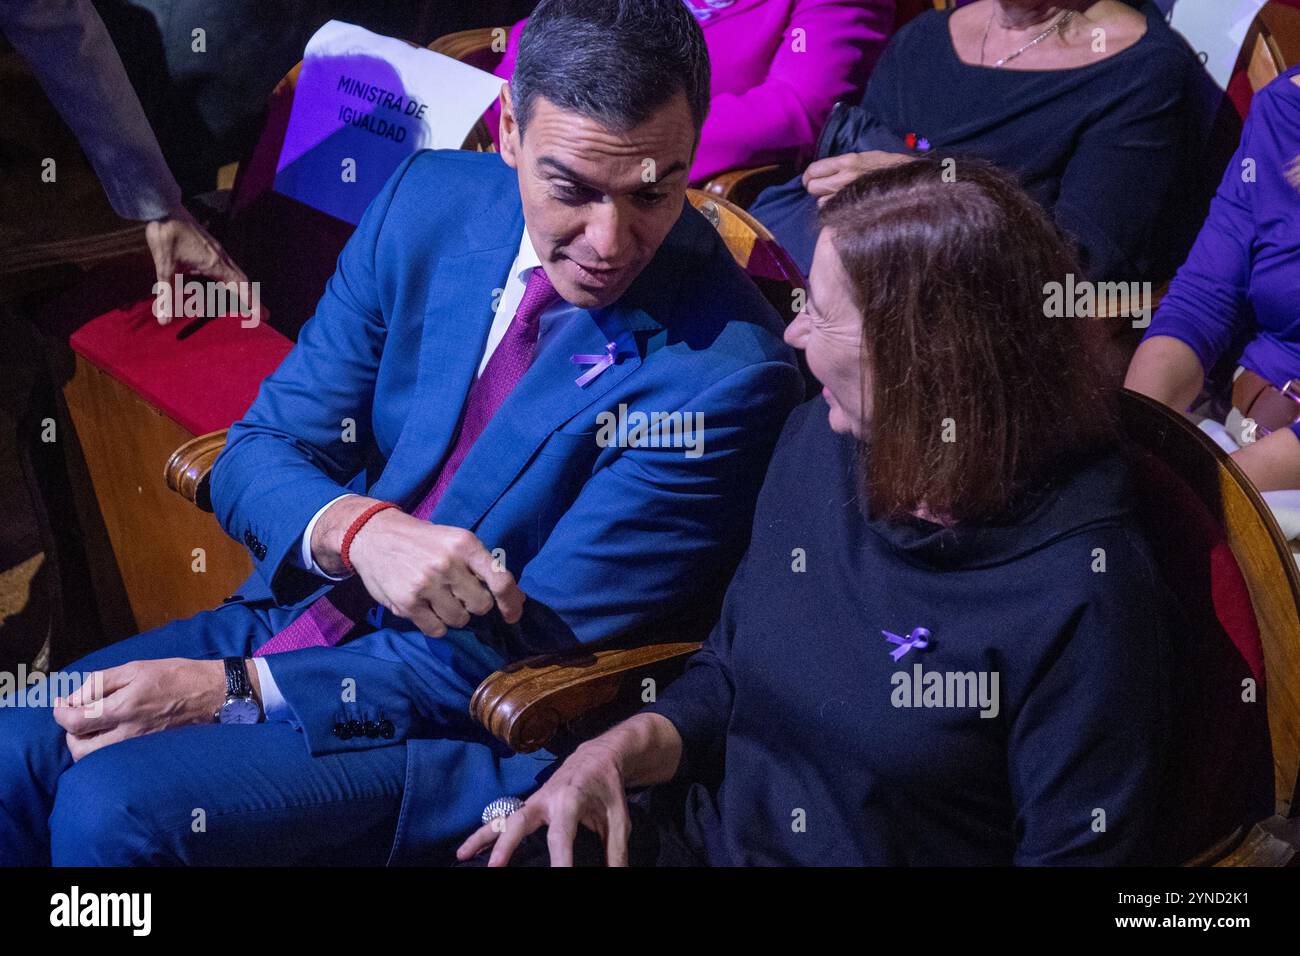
(950, 276)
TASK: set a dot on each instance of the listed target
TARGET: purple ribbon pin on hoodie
(919, 638)
(601, 362)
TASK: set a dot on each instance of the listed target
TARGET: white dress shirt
(525, 262)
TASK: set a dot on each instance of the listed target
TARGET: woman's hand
(587, 790)
(180, 245)
(828, 176)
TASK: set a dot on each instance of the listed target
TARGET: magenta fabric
(324, 624)
(769, 101)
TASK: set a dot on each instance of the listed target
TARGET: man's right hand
(435, 576)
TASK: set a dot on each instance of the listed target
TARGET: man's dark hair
(615, 61)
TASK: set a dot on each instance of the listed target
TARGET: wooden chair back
(1271, 47)
(755, 250)
(1238, 589)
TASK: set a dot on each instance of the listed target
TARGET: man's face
(598, 203)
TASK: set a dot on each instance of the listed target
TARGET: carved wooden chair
(1272, 46)
(1234, 577)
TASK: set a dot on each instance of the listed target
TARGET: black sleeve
(699, 702)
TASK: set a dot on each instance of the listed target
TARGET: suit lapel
(545, 398)
(456, 326)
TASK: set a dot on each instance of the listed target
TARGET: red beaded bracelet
(353, 528)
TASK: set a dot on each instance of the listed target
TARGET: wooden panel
(1271, 579)
(126, 444)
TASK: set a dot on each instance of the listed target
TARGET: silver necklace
(1054, 28)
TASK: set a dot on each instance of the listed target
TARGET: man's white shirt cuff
(273, 704)
(304, 555)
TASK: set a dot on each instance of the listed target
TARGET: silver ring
(501, 807)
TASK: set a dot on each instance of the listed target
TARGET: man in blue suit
(532, 412)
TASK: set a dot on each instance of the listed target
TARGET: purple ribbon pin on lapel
(919, 638)
(601, 362)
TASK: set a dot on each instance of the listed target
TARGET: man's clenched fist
(435, 576)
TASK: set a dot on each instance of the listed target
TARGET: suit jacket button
(386, 729)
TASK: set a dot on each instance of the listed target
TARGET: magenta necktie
(332, 617)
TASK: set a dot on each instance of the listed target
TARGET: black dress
(1107, 148)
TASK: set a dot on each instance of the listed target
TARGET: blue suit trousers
(210, 794)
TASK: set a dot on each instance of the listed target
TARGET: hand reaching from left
(180, 245)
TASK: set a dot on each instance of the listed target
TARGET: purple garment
(1242, 278)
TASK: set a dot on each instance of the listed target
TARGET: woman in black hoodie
(942, 645)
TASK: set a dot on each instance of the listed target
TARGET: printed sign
(365, 102)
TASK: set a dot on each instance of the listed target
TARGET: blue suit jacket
(608, 543)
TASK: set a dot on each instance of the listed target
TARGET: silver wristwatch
(240, 706)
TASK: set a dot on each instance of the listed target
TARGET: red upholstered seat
(202, 373)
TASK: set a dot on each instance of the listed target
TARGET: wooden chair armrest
(742, 186)
(529, 703)
(1272, 842)
(190, 466)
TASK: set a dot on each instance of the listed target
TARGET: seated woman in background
(916, 663)
(1241, 286)
(772, 89)
(1239, 292)
(1088, 102)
